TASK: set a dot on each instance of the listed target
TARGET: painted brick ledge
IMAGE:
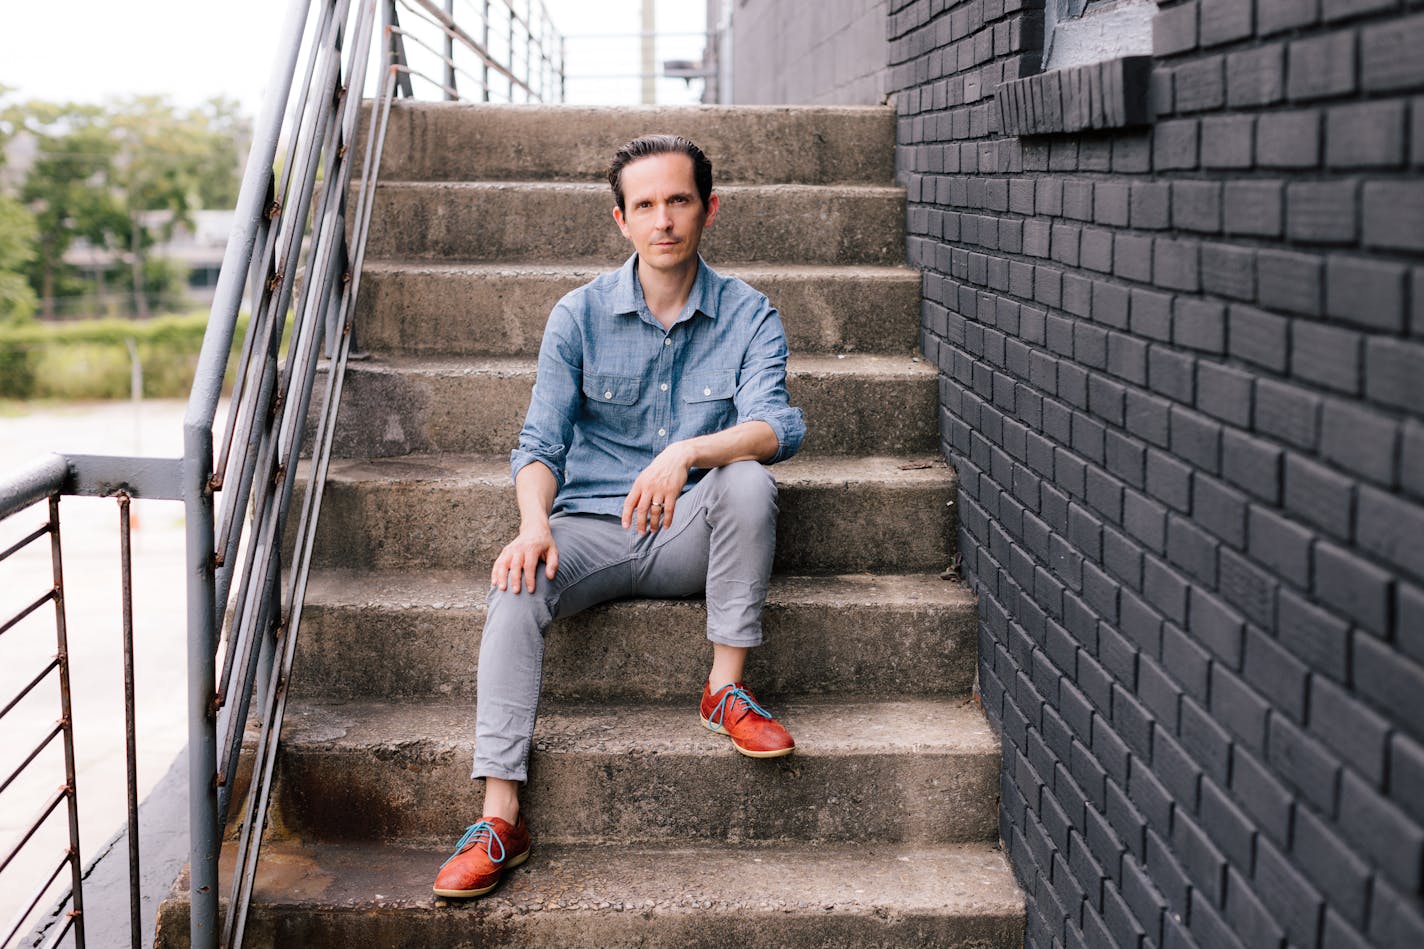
(1106, 95)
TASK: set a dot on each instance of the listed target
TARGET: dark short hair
(647, 145)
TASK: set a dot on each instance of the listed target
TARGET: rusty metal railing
(504, 50)
(36, 489)
(46, 485)
(290, 225)
(295, 254)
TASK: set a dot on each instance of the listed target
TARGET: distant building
(198, 249)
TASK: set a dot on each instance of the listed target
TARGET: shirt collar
(628, 292)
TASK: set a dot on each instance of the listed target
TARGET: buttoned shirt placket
(666, 361)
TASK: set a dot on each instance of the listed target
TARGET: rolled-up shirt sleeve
(553, 404)
(761, 390)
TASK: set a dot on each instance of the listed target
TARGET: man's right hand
(519, 560)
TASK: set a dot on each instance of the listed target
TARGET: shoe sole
(719, 730)
(465, 894)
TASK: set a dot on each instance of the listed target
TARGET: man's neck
(666, 292)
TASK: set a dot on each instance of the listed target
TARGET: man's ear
(618, 216)
(712, 205)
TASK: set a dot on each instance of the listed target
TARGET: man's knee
(745, 482)
(517, 614)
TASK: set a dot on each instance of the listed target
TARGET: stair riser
(394, 792)
(687, 927)
(429, 312)
(843, 528)
(641, 650)
(516, 222)
(427, 142)
(387, 412)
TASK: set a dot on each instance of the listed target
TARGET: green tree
(226, 135)
(17, 237)
(69, 188)
(122, 177)
(169, 164)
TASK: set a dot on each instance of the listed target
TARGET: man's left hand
(649, 506)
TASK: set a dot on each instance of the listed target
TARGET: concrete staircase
(881, 829)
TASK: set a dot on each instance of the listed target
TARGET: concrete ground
(90, 537)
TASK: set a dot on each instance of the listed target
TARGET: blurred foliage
(90, 359)
(17, 235)
(123, 177)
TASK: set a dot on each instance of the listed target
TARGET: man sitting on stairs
(660, 396)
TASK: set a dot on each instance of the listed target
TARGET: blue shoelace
(735, 694)
(480, 830)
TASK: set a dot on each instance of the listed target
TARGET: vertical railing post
(205, 835)
(509, 45)
(450, 88)
(484, 44)
(66, 712)
(130, 716)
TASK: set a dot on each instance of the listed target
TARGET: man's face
(663, 215)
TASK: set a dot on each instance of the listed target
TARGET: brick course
(1191, 463)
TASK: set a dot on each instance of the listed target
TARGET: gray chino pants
(721, 540)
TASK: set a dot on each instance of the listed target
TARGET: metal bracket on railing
(118, 475)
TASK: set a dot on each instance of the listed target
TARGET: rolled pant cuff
(482, 771)
(741, 642)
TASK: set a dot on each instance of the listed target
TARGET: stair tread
(894, 192)
(823, 727)
(592, 268)
(821, 365)
(913, 633)
(463, 589)
(956, 878)
(463, 469)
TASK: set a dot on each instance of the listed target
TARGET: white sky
(191, 50)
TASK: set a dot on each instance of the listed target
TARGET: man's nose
(664, 217)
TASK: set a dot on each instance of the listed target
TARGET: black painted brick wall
(1183, 386)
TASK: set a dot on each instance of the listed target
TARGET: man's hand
(520, 559)
(649, 506)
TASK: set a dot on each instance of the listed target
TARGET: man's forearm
(534, 489)
(748, 441)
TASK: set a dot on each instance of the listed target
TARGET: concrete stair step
(810, 145)
(838, 515)
(850, 896)
(902, 634)
(427, 308)
(858, 404)
(539, 221)
(909, 770)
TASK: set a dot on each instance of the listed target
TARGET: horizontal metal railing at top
(487, 43)
(291, 257)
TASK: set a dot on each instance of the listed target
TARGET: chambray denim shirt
(614, 388)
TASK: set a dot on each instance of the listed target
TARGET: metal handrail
(288, 224)
(290, 255)
(45, 482)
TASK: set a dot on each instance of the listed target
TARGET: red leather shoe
(733, 711)
(490, 847)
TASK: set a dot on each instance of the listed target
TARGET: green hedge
(90, 359)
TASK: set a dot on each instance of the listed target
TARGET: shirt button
(667, 341)
(706, 391)
(663, 387)
(608, 395)
(662, 432)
